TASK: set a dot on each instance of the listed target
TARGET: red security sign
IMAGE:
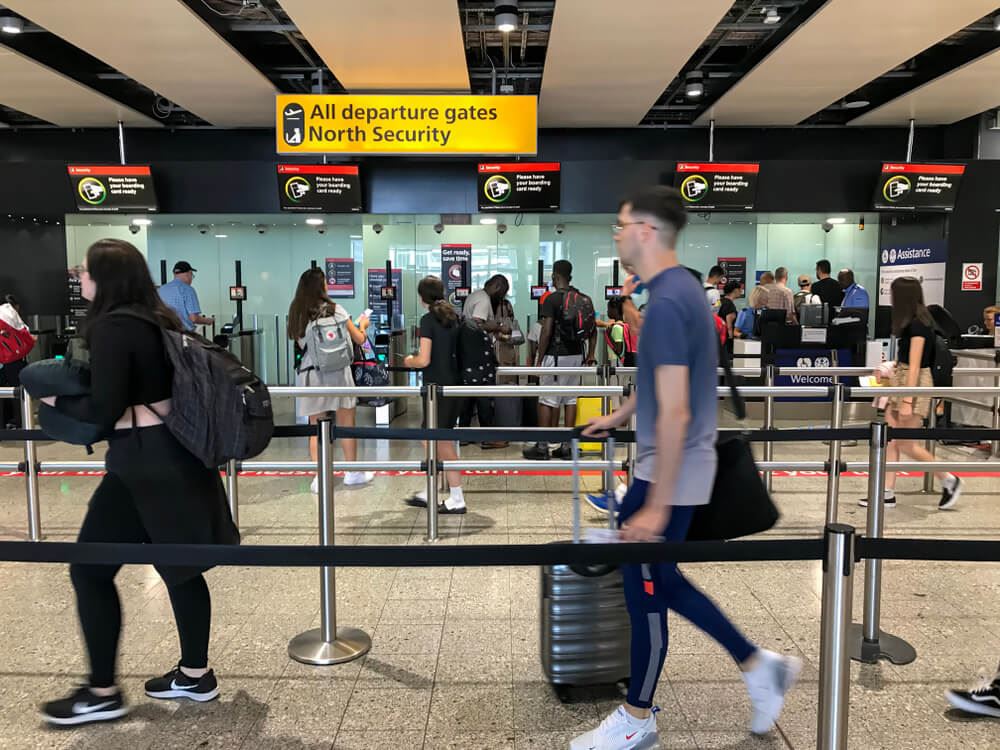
(972, 277)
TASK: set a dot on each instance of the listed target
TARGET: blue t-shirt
(678, 329)
(182, 299)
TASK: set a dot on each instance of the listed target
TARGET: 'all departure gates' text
(385, 124)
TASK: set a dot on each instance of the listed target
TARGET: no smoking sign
(972, 277)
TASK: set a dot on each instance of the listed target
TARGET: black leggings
(112, 517)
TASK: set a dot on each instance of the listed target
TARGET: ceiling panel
(606, 67)
(163, 45)
(843, 46)
(379, 45)
(966, 91)
(41, 92)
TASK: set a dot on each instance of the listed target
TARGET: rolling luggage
(585, 628)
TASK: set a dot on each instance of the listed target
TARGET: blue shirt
(182, 299)
(856, 296)
(678, 329)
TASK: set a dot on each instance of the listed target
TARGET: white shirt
(9, 316)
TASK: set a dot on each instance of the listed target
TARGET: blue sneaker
(599, 502)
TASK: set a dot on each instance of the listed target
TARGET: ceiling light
(693, 84)
(836, 220)
(487, 220)
(314, 222)
(996, 23)
(505, 15)
(855, 104)
(221, 236)
(771, 15)
(11, 25)
(142, 222)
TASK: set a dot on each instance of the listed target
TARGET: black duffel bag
(740, 503)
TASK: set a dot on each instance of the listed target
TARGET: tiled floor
(455, 656)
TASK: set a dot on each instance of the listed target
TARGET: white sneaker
(355, 478)
(314, 487)
(768, 683)
(620, 732)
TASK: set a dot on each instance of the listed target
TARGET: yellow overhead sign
(406, 124)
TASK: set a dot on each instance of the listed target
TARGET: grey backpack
(330, 345)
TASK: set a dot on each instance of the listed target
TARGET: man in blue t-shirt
(676, 408)
(181, 297)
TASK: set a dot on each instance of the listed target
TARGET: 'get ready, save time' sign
(406, 124)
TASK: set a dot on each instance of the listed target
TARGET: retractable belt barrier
(475, 555)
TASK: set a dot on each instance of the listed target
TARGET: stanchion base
(310, 648)
(890, 647)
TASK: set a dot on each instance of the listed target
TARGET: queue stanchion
(833, 472)
(868, 642)
(995, 444)
(769, 375)
(431, 396)
(233, 489)
(630, 453)
(609, 447)
(607, 476)
(834, 664)
(931, 445)
(328, 644)
(31, 470)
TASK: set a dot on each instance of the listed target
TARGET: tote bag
(740, 504)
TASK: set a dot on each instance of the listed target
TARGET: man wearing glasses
(676, 406)
(181, 297)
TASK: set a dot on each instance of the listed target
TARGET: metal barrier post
(834, 665)
(769, 374)
(609, 446)
(833, 474)
(31, 470)
(608, 453)
(431, 397)
(868, 642)
(233, 490)
(328, 644)
(630, 454)
(931, 446)
(995, 444)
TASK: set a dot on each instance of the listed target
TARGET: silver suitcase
(585, 628)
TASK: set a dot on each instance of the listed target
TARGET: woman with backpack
(438, 358)
(154, 490)
(327, 335)
(913, 325)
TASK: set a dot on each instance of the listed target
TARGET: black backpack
(577, 321)
(220, 410)
(942, 361)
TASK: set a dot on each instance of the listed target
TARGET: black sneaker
(83, 707)
(176, 684)
(984, 699)
(563, 452)
(888, 502)
(950, 495)
(537, 452)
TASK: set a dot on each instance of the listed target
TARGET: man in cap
(181, 297)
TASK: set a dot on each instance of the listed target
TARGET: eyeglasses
(619, 228)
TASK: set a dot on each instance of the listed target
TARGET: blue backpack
(744, 322)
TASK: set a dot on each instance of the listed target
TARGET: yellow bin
(587, 409)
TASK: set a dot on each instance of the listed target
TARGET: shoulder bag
(740, 504)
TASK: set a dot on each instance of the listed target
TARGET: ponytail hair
(431, 291)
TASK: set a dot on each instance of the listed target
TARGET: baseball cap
(182, 266)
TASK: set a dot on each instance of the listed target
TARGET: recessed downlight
(314, 222)
(142, 222)
(487, 220)
(836, 220)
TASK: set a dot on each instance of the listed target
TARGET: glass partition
(274, 249)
